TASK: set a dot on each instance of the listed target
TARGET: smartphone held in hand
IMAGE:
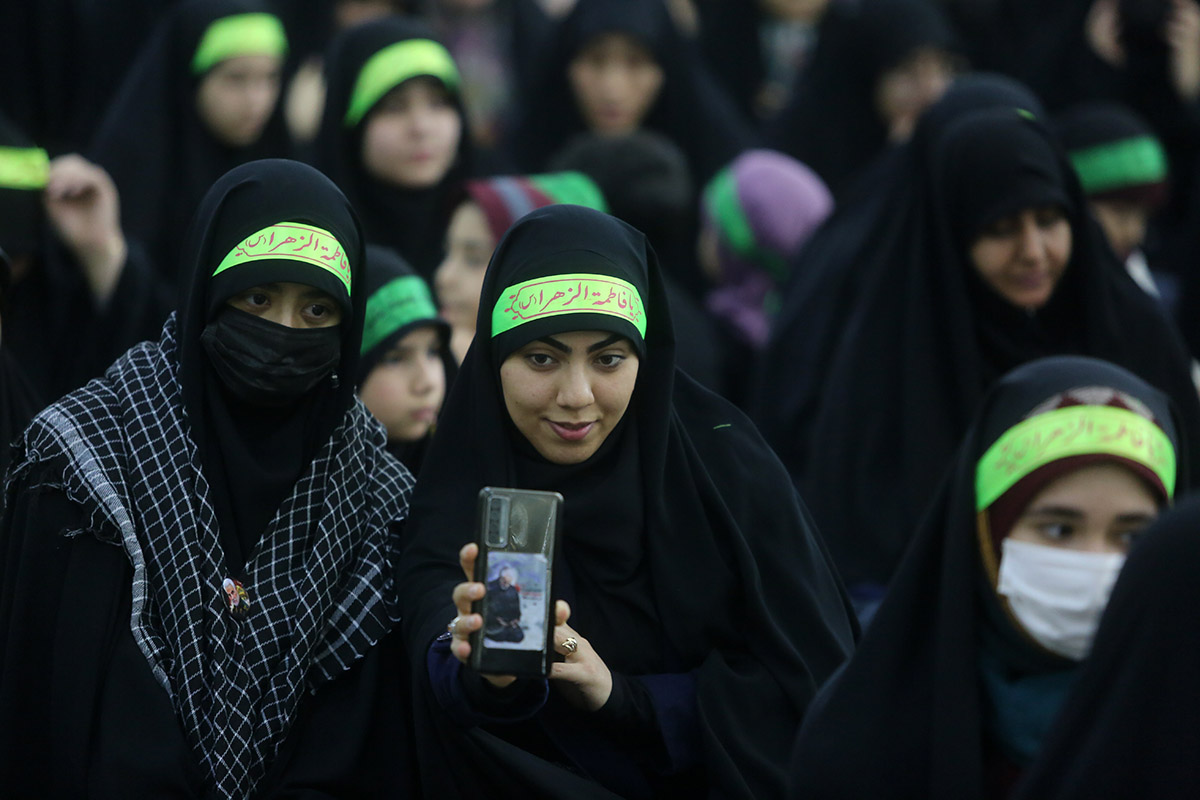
(517, 533)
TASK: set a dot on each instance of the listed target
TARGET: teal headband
(239, 35)
(397, 303)
(395, 64)
(577, 293)
(1072, 431)
(1130, 162)
(725, 208)
(293, 241)
(24, 168)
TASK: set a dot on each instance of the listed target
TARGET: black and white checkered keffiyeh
(320, 580)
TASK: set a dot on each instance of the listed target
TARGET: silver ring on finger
(570, 644)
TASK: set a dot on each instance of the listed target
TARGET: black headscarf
(830, 122)
(154, 144)
(907, 716)
(387, 323)
(1129, 728)
(410, 221)
(684, 547)
(832, 271)
(691, 109)
(18, 399)
(928, 337)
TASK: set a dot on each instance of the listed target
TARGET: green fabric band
(1072, 431)
(24, 168)
(239, 35)
(396, 304)
(1131, 162)
(575, 188)
(395, 64)
(568, 294)
(725, 209)
(293, 241)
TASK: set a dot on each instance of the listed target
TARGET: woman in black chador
(197, 551)
(394, 134)
(201, 98)
(698, 610)
(991, 616)
(999, 263)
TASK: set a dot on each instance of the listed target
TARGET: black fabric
(927, 337)
(830, 122)
(410, 221)
(691, 110)
(53, 326)
(19, 401)
(684, 549)
(906, 716)
(155, 146)
(839, 263)
(156, 460)
(1128, 729)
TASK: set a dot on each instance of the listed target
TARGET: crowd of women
(857, 336)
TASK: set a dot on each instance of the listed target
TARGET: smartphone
(517, 534)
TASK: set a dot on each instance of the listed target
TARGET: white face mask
(1057, 594)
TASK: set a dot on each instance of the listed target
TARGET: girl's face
(1124, 224)
(406, 388)
(459, 278)
(1023, 256)
(615, 80)
(566, 393)
(910, 87)
(236, 98)
(411, 137)
(295, 305)
(1100, 508)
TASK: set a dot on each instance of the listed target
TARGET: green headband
(239, 35)
(568, 294)
(293, 241)
(395, 64)
(1072, 431)
(571, 187)
(721, 200)
(396, 304)
(1130, 162)
(24, 168)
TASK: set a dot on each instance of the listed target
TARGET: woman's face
(566, 393)
(406, 388)
(615, 80)
(411, 136)
(295, 305)
(459, 278)
(1099, 509)
(236, 97)
(1023, 256)
(910, 87)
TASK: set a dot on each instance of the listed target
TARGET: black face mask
(266, 364)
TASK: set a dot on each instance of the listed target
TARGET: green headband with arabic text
(392, 66)
(1072, 431)
(397, 303)
(576, 293)
(239, 35)
(292, 241)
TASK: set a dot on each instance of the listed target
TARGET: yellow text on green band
(24, 168)
(294, 241)
(239, 35)
(1072, 431)
(568, 294)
